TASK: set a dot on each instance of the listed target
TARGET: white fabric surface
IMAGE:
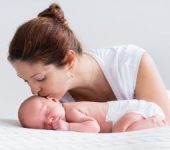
(120, 65)
(14, 137)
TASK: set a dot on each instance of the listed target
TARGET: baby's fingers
(56, 124)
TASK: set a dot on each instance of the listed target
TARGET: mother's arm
(150, 87)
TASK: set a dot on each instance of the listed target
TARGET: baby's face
(43, 113)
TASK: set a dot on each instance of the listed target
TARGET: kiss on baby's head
(39, 112)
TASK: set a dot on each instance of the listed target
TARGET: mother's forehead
(24, 65)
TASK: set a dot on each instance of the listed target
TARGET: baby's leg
(150, 122)
(126, 121)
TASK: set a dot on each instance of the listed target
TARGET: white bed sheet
(14, 137)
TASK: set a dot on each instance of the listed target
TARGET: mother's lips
(52, 98)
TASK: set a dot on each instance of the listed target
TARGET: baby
(45, 113)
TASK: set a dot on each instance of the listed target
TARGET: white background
(98, 24)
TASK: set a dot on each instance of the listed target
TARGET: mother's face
(44, 80)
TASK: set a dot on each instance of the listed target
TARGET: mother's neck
(86, 75)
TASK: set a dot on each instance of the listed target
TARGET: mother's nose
(35, 89)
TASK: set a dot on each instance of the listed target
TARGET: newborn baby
(45, 113)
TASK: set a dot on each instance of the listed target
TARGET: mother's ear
(71, 59)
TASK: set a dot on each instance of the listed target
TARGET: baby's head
(39, 112)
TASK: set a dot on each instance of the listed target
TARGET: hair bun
(54, 11)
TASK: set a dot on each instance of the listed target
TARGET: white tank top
(120, 66)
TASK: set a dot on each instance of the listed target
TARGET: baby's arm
(78, 122)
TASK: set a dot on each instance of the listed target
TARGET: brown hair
(46, 38)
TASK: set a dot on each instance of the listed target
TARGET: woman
(47, 55)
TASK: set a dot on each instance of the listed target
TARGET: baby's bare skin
(79, 116)
(93, 109)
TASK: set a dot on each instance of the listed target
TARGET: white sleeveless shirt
(120, 66)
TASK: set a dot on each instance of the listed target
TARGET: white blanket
(14, 137)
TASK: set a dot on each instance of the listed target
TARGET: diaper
(116, 109)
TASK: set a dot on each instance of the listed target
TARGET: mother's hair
(46, 38)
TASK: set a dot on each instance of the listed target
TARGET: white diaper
(116, 109)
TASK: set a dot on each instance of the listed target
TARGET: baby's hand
(60, 125)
